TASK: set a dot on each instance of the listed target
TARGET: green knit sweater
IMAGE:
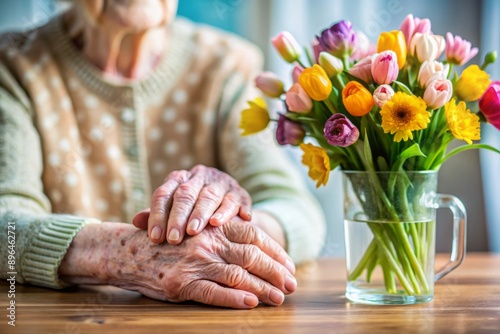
(76, 148)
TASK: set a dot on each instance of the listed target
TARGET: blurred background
(472, 176)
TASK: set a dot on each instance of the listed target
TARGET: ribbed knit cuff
(46, 251)
(304, 233)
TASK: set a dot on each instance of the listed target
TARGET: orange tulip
(395, 41)
(316, 83)
(357, 99)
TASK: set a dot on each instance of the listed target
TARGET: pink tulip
(458, 50)
(430, 71)
(270, 84)
(316, 49)
(489, 104)
(289, 132)
(382, 94)
(362, 48)
(426, 46)
(287, 46)
(438, 93)
(385, 67)
(296, 73)
(297, 100)
(411, 26)
(363, 70)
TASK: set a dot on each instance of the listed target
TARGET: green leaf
(462, 149)
(412, 151)
(403, 87)
(308, 55)
(368, 154)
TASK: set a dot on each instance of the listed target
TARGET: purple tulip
(339, 39)
(339, 131)
(289, 132)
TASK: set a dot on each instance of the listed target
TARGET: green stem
(389, 282)
(369, 252)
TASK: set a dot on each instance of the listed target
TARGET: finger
(228, 209)
(236, 277)
(209, 200)
(140, 220)
(161, 203)
(211, 293)
(185, 198)
(258, 263)
(249, 234)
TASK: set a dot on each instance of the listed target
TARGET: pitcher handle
(459, 232)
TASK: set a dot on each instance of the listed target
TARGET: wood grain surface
(466, 301)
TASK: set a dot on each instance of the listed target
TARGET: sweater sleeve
(263, 168)
(35, 239)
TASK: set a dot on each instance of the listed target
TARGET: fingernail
(194, 224)
(290, 266)
(290, 283)
(217, 216)
(174, 235)
(250, 300)
(156, 232)
(276, 296)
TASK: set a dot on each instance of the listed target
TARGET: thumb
(141, 219)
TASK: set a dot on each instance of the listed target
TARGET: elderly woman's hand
(188, 200)
(234, 265)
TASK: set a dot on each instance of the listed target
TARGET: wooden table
(466, 301)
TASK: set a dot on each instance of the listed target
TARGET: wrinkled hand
(234, 265)
(189, 200)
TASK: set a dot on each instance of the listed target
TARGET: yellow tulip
(472, 84)
(316, 83)
(318, 162)
(255, 118)
(395, 41)
(357, 99)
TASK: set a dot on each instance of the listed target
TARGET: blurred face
(134, 15)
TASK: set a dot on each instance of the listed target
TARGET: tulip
(363, 47)
(411, 26)
(426, 46)
(363, 70)
(331, 64)
(394, 41)
(255, 118)
(438, 93)
(458, 50)
(339, 39)
(489, 58)
(382, 94)
(297, 99)
(316, 83)
(489, 104)
(316, 49)
(270, 84)
(357, 99)
(317, 160)
(296, 73)
(441, 42)
(472, 84)
(385, 67)
(430, 71)
(287, 46)
(339, 131)
(289, 132)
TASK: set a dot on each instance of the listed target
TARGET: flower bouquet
(388, 111)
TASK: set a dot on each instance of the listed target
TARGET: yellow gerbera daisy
(403, 114)
(318, 162)
(464, 124)
(255, 118)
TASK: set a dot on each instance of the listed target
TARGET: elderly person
(115, 106)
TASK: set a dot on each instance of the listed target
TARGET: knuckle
(186, 193)
(235, 276)
(210, 195)
(161, 192)
(251, 257)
